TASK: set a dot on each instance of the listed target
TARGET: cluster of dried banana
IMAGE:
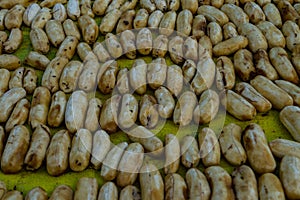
(214, 183)
(212, 44)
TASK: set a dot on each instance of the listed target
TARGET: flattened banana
(141, 19)
(243, 64)
(273, 35)
(205, 74)
(174, 80)
(213, 14)
(71, 29)
(19, 115)
(231, 146)
(59, 12)
(148, 114)
(57, 109)
(68, 47)
(199, 26)
(123, 81)
(263, 65)
(101, 52)
(151, 181)
(57, 157)
(292, 89)
(272, 14)
(37, 60)
(198, 186)
(244, 183)
(225, 74)
(157, 73)
(128, 111)
(108, 117)
(175, 187)
(76, 108)
(127, 40)
(89, 28)
(126, 21)
(209, 147)
(289, 118)
(144, 41)
(258, 152)
(62, 192)
(155, 18)
(70, 75)
(207, 108)
(270, 187)
(160, 46)
(189, 149)
(40, 140)
(282, 147)
(39, 106)
(101, 146)
(184, 22)
(14, 41)
(14, 17)
(53, 73)
(9, 62)
(8, 101)
(130, 192)
(230, 46)
(17, 144)
(138, 76)
(108, 191)
(167, 23)
(235, 14)
(107, 76)
(4, 80)
(41, 18)
(37, 193)
(113, 45)
(93, 114)
(229, 30)
(214, 31)
(145, 137)
(175, 49)
(55, 32)
(172, 154)
(81, 148)
(87, 80)
(238, 106)
(255, 37)
(86, 188)
(100, 6)
(221, 183)
(254, 97)
(39, 40)
(254, 12)
(128, 171)
(279, 59)
(277, 96)
(109, 21)
(73, 9)
(111, 161)
(166, 102)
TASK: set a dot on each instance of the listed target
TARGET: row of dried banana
(97, 148)
(168, 82)
(262, 35)
(125, 163)
(258, 37)
(243, 65)
(103, 7)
